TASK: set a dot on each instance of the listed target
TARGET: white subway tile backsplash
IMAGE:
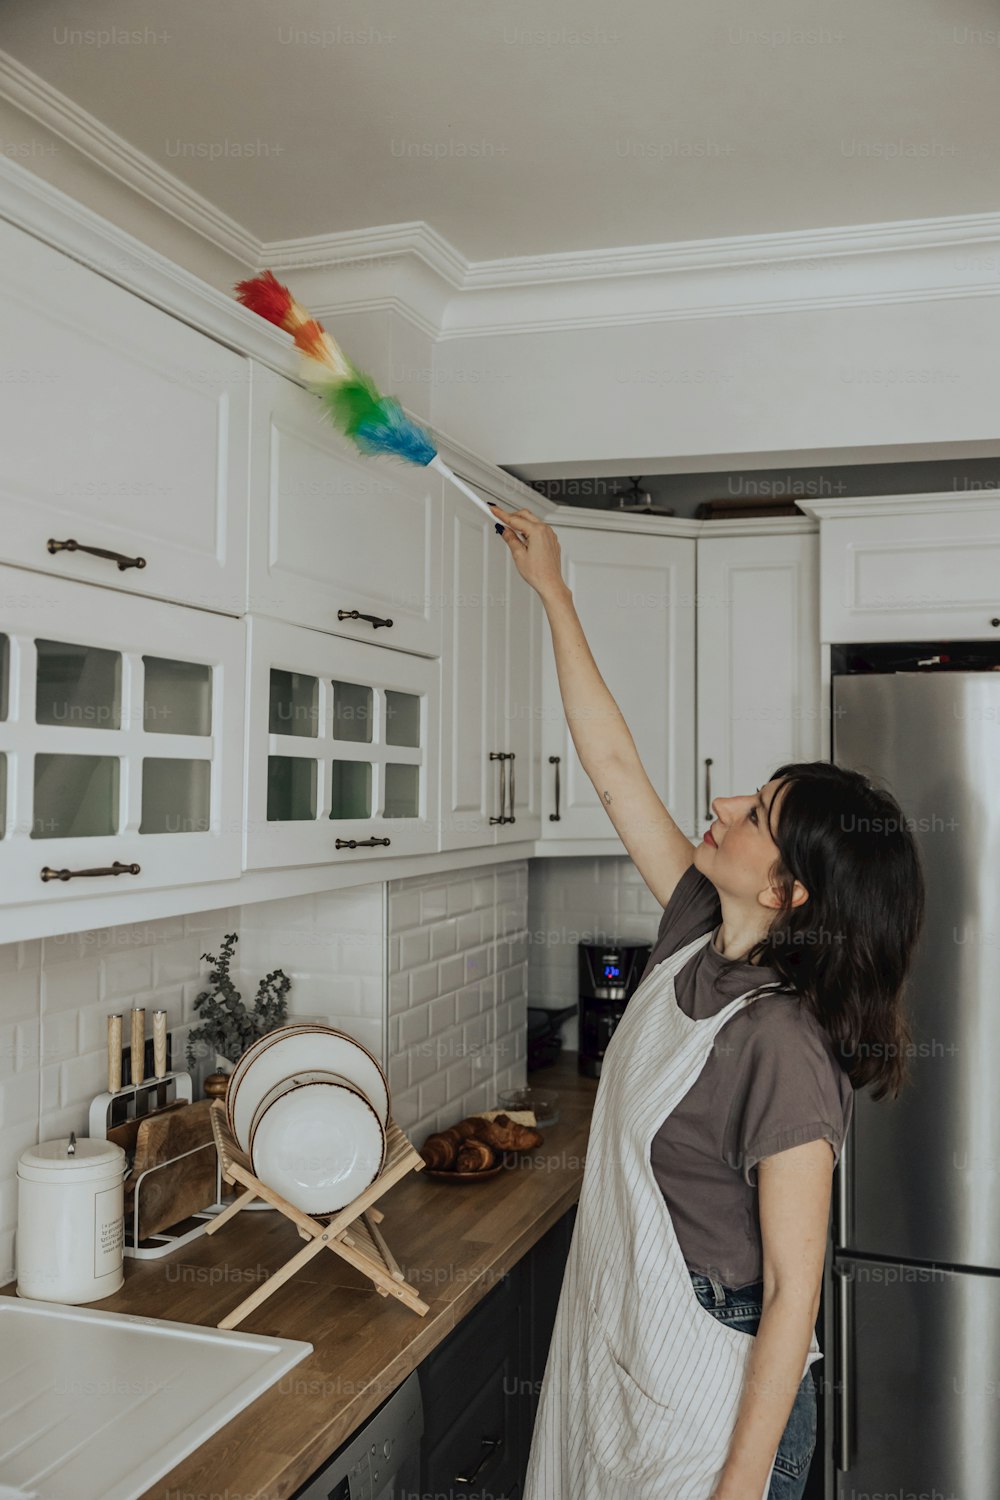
(56, 995)
(467, 966)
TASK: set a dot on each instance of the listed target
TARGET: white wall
(789, 381)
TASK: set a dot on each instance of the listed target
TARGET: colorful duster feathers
(373, 422)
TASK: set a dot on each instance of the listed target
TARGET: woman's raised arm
(660, 851)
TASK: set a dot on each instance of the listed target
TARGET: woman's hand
(537, 557)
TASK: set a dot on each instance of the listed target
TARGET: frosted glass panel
(176, 796)
(352, 712)
(4, 675)
(402, 719)
(177, 696)
(402, 791)
(351, 789)
(291, 789)
(76, 796)
(78, 685)
(293, 705)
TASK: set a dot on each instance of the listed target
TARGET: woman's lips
(708, 839)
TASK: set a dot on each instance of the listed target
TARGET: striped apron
(642, 1384)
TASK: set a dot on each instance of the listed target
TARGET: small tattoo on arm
(607, 798)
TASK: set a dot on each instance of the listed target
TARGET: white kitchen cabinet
(121, 732)
(338, 542)
(121, 430)
(342, 747)
(758, 661)
(490, 741)
(635, 598)
(910, 567)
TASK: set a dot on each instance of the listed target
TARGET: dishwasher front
(381, 1461)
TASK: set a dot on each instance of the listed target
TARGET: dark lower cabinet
(480, 1387)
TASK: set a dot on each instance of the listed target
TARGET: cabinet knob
(995, 621)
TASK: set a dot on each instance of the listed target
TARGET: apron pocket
(626, 1432)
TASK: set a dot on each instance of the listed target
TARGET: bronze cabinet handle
(361, 843)
(72, 545)
(708, 787)
(510, 791)
(491, 1445)
(355, 614)
(116, 869)
(501, 757)
(554, 761)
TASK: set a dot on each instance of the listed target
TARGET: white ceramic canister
(70, 1220)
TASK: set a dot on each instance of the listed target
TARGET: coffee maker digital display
(609, 976)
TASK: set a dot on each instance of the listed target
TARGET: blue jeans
(740, 1307)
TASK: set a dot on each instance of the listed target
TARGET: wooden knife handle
(114, 1053)
(159, 1043)
(138, 1045)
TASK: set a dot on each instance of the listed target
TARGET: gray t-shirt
(771, 1081)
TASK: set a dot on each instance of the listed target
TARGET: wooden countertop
(452, 1242)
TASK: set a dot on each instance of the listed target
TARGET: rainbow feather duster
(374, 423)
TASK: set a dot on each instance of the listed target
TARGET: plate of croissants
(477, 1147)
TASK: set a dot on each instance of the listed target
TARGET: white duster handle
(437, 462)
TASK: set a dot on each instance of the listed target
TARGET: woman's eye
(753, 815)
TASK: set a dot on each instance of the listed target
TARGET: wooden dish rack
(352, 1233)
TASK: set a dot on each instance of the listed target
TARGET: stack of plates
(310, 1107)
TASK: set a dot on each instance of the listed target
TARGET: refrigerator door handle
(845, 1197)
(842, 1383)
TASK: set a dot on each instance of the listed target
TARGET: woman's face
(738, 854)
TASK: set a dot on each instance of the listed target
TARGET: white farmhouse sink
(98, 1405)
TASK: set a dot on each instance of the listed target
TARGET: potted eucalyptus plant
(228, 1025)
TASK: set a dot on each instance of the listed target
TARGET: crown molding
(36, 206)
(413, 269)
(85, 133)
(855, 506)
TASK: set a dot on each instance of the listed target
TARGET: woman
(679, 1365)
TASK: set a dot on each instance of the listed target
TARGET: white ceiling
(523, 127)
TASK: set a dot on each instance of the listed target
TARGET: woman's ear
(772, 897)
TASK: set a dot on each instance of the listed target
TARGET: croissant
(505, 1134)
(439, 1151)
(475, 1156)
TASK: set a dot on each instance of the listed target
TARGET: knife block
(352, 1232)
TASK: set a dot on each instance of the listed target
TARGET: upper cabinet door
(336, 537)
(635, 598)
(758, 661)
(520, 706)
(121, 429)
(121, 742)
(473, 679)
(342, 749)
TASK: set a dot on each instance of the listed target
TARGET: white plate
(247, 1057)
(317, 1141)
(302, 1049)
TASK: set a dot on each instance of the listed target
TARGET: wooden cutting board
(184, 1187)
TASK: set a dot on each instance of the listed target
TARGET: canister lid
(70, 1157)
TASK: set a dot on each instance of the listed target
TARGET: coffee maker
(609, 976)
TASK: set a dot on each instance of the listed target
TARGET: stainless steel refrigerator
(916, 1264)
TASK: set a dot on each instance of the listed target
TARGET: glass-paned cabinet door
(342, 749)
(121, 729)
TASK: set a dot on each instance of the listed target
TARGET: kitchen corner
(454, 1244)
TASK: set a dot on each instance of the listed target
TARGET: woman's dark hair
(846, 951)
